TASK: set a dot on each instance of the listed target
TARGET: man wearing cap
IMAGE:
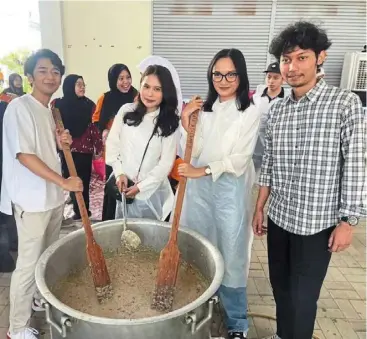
(264, 98)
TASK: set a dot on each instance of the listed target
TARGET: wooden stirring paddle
(96, 259)
(170, 255)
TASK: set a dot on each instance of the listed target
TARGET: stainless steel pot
(189, 322)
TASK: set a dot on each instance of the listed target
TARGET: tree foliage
(14, 61)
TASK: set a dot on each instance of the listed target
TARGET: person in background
(218, 197)
(320, 73)
(8, 229)
(313, 170)
(8, 220)
(121, 92)
(15, 85)
(264, 97)
(1, 78)
(146, 127)
(76, 112)
(32, 184)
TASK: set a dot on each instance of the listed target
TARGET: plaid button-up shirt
(314, 159)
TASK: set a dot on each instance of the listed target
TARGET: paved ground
(342, 305)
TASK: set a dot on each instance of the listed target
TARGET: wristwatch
(208, 170)
(352, 220)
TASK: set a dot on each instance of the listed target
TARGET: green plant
(14, 61)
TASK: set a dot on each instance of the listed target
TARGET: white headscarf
(157, 60)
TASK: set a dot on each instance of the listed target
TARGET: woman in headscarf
(158, 60)
(15, 85)
(76, 112)
(121, 92)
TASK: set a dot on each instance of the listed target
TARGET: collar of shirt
(265, 93)
(311, 95)
(154, 113)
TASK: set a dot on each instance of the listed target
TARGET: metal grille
(361, 82)
(190, 32)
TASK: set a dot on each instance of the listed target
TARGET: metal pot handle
(65, 320)
(191, 317)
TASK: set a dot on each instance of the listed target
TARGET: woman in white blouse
(149, 124)
(218, 203)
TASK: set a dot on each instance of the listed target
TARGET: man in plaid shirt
(313, 170)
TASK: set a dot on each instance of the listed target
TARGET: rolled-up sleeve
(353, 147)
(198, 139)
(267, 160)
(113, 144)
(241, 155)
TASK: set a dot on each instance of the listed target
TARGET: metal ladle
(128, 238)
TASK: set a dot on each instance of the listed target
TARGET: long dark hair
(168, 119)
(242, 93)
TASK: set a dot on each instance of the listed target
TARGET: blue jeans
(234, 301)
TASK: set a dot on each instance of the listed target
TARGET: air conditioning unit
(354, 74)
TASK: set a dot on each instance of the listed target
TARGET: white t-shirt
(262, 102)
(29, 128)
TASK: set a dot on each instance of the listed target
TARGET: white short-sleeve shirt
(29, 128)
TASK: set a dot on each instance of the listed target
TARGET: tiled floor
(342, 305)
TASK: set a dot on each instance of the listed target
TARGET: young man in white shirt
(32, 184)
(264, 98)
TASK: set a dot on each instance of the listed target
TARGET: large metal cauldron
(190, 322)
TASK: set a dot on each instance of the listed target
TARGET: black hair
(302, 34)
(242, 94)
(168, 119)
(32, 60)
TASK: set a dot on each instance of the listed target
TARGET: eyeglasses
(79, 85)
(230, 77)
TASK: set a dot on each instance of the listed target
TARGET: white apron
(219, 207)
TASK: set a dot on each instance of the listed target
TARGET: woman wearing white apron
(218, 198)
(151, 125)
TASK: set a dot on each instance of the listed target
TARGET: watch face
(353, 221)
(208, 171)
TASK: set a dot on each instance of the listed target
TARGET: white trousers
(36, 232)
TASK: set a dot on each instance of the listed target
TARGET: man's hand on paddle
(73, 184)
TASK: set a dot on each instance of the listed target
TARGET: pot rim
(56, 303)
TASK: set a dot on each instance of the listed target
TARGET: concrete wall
(97, 34)
(51, 29)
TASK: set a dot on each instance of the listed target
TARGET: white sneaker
(37, 306)
(28, 333)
